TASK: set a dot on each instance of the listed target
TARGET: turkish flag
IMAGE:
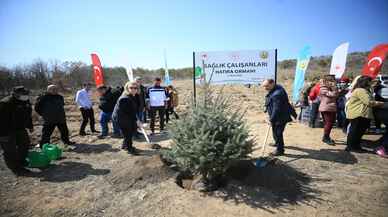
(375, 60)
(97, 70)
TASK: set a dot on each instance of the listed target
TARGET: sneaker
(124, 147)
(82, 134)
(328, 141)
(95, 131)
(381, 152)
(101, 137)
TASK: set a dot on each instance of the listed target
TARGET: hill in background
(70, 75)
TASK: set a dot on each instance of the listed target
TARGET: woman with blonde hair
(125, 116)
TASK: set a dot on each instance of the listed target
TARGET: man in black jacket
(108, 99)
(15, 116)
(51, 107)
(279, 110)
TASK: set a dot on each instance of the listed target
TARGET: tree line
(70, 75)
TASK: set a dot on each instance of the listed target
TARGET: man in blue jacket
(279, 111)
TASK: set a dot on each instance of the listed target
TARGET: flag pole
(194, 85)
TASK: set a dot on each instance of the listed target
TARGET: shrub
(209, 138)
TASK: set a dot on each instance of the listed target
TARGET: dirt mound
(139, 173)
(276, 176)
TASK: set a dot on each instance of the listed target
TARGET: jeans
(277, 133)
(140, 116)
(105, 117)
(314, 113)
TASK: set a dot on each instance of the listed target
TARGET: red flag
(375, 60)
(97, 70)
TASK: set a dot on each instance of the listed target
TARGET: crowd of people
(350, 105)
(127, 108)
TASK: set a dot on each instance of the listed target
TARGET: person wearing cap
(156, 99)
(50, 106)
(15, 116)
(142, 114)
(86, 107)
(108, 99)
(279, 111)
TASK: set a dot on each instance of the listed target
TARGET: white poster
(235, 67)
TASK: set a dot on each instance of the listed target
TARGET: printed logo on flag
(264, 55)
(373, 67)
(302, 65)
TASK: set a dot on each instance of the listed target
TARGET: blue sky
(137, 32)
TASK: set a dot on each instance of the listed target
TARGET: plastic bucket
(37, 159)
(52, 151)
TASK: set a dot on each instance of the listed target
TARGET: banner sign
(98, 74)
(338, 61)
(235, 67)
(301, 67)
(375, 60)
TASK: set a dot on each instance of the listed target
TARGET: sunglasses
(133, 88)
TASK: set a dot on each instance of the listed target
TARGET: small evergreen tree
(209, 137)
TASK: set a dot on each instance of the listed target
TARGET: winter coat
(109, 99)
(328, 99)
(314, 93)
(174, 100)
(15, 115)
(278, 106)
(142, 97)
(51, 108)
(358, 104)
(125, 112)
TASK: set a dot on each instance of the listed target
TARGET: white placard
(157, 98)
(235, 67)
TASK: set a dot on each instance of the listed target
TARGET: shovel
(153, 146)
(262, 162)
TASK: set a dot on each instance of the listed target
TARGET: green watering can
(37, 159)
(52, 151)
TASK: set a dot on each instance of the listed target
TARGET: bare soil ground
(98, 179)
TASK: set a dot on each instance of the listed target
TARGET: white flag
(130, 73)
(166, 74)
(338, 62)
